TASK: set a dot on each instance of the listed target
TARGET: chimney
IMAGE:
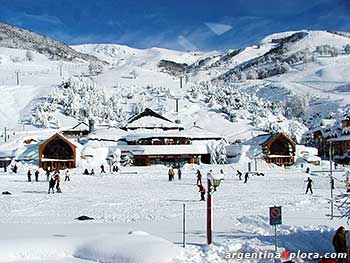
(91, 125)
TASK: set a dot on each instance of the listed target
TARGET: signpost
(275, 219)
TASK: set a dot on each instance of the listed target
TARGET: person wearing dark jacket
(309, 185)
(102, 169)
(29, 175)
(339, 241)
(179, 174)
(202, 191)
(199, 178)
(52, 183)
(239, 174)
(36, 174)
(246, 176)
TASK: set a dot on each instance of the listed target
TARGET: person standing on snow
(170, 177)
(67, 176)
(179, 174)
(239, 175)
(199, 178)
(58, 181)
(52, 183)
(332, 183)
(102, 169)
(202, 192)
(29, 175)
(339, 241)
(309, 185)
(246, 176)
(14, 169)
(36, 174)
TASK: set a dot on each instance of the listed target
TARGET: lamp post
(331, 153)
(213, 183)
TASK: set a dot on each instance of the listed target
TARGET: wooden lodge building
(333, 137)
(154, 139)
(279, 149)
(57, 152)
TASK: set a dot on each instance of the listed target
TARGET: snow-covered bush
(218, 152)
(44, 115)
(82, 99)
(95, 67)
(347, 49)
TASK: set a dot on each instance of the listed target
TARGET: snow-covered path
(147, 201)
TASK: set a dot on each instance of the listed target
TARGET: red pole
(209, 227)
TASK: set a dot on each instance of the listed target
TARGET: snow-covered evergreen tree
(95, 67)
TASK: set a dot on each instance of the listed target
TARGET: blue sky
(176, 24)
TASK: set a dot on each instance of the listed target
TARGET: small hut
(279, 149)
(57, 152)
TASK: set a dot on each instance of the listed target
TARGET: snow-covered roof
(107, 134)
(149, 119)
(81, 126)
(194, 132)
(311, 158)
(6, 154)
(165, 149)
(327, 122)
(340, 139)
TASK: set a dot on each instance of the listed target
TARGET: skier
(307, 170)
(332, 183)
(58, 181)
(29, 175)
(202, 191)
(102, 169)
(199, 178)
(36, 174)
(239, 174)
(67, 176)
(339, 241)
(92, 172)
(179, 174)
(309, 185)
(48, 174)
(86, 171)
(246, 176)
(14, 169)
(52, 183)
(169, 174)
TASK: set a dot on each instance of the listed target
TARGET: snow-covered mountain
(287, 80)
(18, 38)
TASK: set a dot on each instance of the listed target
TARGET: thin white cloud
(185, 43)
(218, 28)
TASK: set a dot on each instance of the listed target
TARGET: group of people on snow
(171, 174)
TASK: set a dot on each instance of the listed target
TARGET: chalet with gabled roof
(279, 149)
(57, 152)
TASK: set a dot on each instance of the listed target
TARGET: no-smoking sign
(275, 215)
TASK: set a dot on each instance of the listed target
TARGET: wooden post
(209, 215)
(184, 225)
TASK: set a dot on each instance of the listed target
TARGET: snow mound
(138, 247)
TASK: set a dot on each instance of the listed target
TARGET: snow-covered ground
(37, 227)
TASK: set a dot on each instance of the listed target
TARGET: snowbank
(137, 247)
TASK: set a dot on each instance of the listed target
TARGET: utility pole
(177, 105)
(181, 77)
(61, 65)
(184, 225)
(5, 134)
(17, 78)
